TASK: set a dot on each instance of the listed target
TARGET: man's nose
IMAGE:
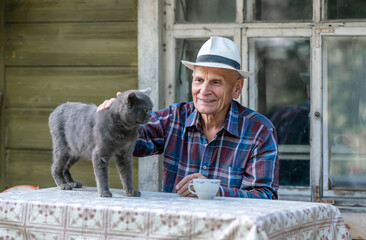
(205, 88)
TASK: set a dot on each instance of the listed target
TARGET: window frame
(347, 197)
(243, 29)
(285, 192)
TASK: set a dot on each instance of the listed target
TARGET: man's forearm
(262, 192)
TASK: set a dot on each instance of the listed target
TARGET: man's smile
(207, 100)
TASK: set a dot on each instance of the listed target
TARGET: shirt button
(205, 145)
(204, 167)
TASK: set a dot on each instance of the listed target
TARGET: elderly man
(213, 136)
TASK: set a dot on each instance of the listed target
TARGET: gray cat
(79, 131)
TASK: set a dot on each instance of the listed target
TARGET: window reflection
(346, 9)
(282, 10)
(205, 11)
(346, 81)
(282, 72)
(186, 49)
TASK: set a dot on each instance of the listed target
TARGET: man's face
(214, 88)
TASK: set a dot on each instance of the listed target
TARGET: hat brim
(190, 65)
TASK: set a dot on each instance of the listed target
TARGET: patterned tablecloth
(80, 214)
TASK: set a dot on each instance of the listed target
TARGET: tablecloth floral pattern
(79, 214)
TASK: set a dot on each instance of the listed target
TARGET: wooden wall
(57, 51)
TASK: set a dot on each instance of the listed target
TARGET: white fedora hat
(219, 52)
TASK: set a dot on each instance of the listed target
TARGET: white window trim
(149, 72)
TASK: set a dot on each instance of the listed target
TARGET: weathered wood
(28, 129)
(71, 44)
(34, 168)
(69, 10)
(355, 223)
(2, 88)
(149, 75)
(49, 87)
(57, 51)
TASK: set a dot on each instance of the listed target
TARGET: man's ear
(238, 87)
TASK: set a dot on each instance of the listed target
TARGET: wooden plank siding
(71, 44)
(27, 129)
(45, 87)
(34, 166)
(2, 91)
(70, 11)
(54, 52)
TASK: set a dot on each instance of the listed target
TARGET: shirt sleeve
(261, 175)
(151, 136)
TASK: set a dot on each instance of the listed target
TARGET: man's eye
(217, 82)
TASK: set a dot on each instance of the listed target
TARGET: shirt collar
(193, 119)
(231, 123)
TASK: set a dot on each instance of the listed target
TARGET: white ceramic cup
(204, 188)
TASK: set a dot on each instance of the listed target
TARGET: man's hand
(182, 186)
(107, 103)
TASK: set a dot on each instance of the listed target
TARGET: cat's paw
(105, 193)
(133, 193)
(76, 184)
(65, 186)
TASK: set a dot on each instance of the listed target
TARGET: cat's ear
(147, 91)
(131, 99)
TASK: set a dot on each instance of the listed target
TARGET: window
(283, 10)
(345, 9)
(205, 11)
(345, 80)
(282, 67)
(187, 49)
(308, 59)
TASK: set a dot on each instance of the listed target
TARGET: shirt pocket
(235, 177)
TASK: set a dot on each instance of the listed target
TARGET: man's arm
(260, 179)
(151, 135)
(151, 138)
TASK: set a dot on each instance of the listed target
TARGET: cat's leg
(60, 159)
(67, 174)
(124, 166)
(100, 165)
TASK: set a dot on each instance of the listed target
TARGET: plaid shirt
(243, 154)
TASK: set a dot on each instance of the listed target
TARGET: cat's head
(134, 106)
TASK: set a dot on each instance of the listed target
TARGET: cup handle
(189, 188)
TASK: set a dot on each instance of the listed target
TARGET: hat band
(218, 59)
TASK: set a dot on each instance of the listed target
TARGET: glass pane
(282, 10)
(185, 50)
(205, 11)
(345, 59)
(282, 71)
(346, 9)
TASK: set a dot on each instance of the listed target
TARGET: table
(80, 214)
